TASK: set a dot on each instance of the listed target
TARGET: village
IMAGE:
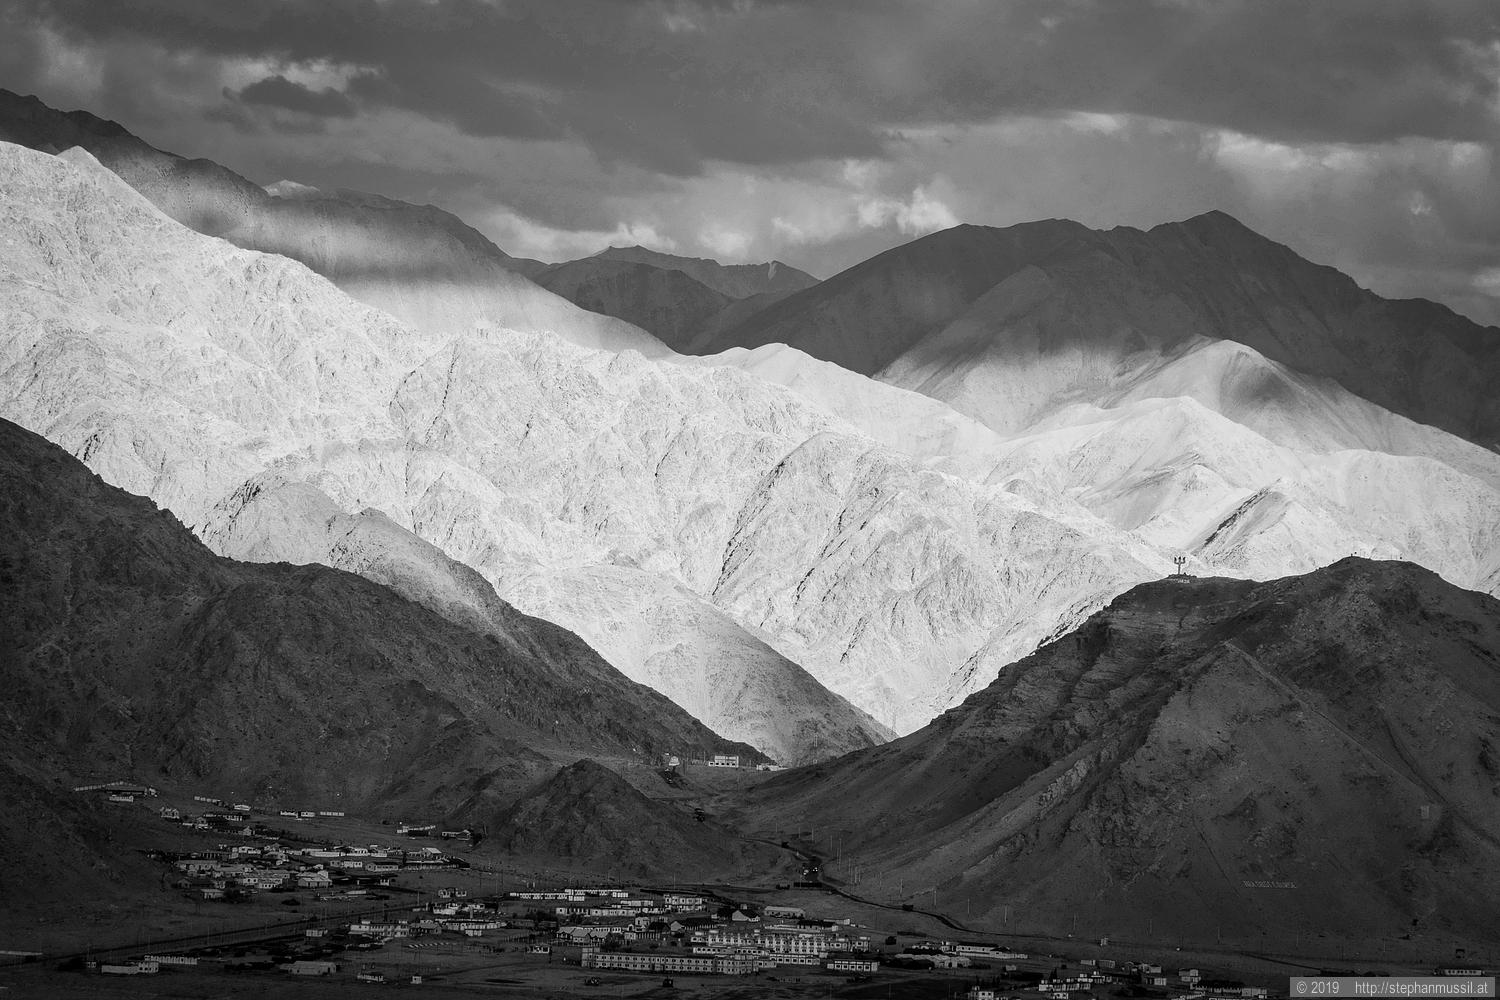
(413, 910)
(661, 934)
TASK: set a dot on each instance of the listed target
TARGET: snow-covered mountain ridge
(707, 524)
(207, 377)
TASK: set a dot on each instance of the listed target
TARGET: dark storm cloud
(279, 92)
(1362, 132)
(669, 84)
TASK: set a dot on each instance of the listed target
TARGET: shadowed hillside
(129, 648)
(1316, 754)
(587, 812)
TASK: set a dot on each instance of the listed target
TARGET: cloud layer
(1363, 134)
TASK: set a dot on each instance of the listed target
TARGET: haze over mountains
(1159, 769)
(418, 263)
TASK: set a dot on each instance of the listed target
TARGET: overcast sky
(819, 132)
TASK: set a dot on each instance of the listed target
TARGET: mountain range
(1125, 482)
(941, 313)
(343, 502)
(265, 453)
(523, 456)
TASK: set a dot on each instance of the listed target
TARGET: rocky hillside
(131, 649)
(955, 296)
(1202, 758)
(588, 813)
(417, 262)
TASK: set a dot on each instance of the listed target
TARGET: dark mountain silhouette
(130, 649)
(666, 303)
(1203, 758)
(684, 301)
(1209, 276)
(736, 281)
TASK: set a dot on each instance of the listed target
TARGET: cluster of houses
(127, 792)
(686, 933)
(234, 817)
(235, 870)
(952, 955)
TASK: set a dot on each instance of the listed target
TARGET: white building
(312, 968)
(728, 965)
(145, 967)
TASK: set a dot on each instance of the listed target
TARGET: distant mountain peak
(738, 281)
(290, 189)
(1208, 275)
